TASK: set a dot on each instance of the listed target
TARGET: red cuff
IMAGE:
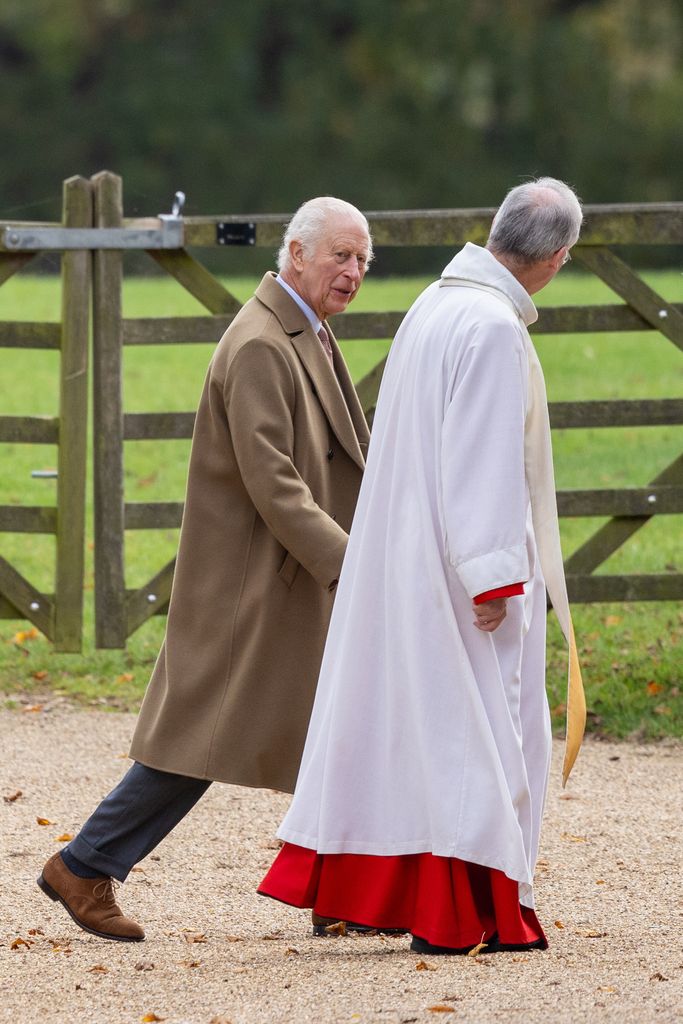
(512, 590)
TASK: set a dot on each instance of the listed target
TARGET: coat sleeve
(259, 395)
(482, 461)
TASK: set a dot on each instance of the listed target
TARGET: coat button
(330, 454)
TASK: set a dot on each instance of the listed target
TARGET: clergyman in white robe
(429, 736)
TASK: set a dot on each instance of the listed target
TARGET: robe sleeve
(259, 395)
(514, 590)
(482, 461)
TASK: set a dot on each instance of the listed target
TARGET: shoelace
(105, 890)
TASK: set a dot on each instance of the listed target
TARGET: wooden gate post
(110, 591)
(73, 423)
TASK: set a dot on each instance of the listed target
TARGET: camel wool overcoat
(276, 463)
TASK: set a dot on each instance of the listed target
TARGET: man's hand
(490, 614)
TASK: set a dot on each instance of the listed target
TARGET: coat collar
(476, 266)
(334, 388)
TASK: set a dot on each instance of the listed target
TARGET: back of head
(535, 220)
(311, 221)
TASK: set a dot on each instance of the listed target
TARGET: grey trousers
(145, 806)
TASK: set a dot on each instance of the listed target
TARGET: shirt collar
(315, 321)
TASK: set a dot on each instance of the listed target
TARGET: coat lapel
(335, 392)
(329, 389)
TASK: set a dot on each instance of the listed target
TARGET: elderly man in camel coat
(277, 457)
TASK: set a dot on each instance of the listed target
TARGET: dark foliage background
(253, 106)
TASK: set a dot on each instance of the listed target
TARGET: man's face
(329, 279)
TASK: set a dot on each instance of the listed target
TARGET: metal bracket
(234, 233)
(169, 235)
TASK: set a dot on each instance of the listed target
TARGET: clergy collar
(477, 266)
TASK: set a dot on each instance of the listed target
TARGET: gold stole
(538, 461)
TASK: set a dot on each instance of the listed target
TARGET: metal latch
(170, 235)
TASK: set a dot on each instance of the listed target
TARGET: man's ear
(296, 253)
(557, 258)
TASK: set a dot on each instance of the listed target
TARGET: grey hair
(309, 223)
(535, 220)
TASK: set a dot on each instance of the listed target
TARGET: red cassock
(443, 900)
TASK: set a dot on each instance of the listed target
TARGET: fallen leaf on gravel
(569, 796)
(36, 708)
(98, 969)
(139, 869)
(65, 837)
(605, 988)
(194, 937)
(19, 942)
(13, 796)
(144, 965)
(441, 1009)
(336, 929)
(422, 965)
(273, 936)
(150, 1017)
(590, 934)
(574, 839)
(658, 977)
(44, 821)
(36, 931)
(599, 881)
(479, 946)
(290, 951)
(520, 959)
(476, 950)
(558, 924)
(220, 1020)
(189, 963)
(234, 938)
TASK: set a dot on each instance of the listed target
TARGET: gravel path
(609, 893)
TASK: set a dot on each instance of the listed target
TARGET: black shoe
(493, 945)
(325, 927)
(419, 945)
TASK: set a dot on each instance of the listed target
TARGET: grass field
(631, 653)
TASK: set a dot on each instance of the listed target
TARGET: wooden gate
(119, 610)
(58, 615)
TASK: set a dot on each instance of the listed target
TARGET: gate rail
(93, 211)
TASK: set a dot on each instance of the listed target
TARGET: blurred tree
(390, 103)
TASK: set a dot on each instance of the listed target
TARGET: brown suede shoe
(89, 901)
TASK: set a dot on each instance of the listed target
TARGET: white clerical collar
(478, 266)
(316, 322)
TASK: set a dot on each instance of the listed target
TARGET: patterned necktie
(325, 342)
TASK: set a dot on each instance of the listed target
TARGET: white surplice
(428, 735)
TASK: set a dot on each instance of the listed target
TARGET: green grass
(630, 653)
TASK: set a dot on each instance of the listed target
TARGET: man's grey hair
(310, 222)
(535, 220)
